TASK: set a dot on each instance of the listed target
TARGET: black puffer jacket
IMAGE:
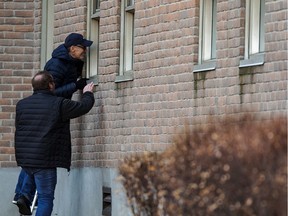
(42, 138)
(65, 71)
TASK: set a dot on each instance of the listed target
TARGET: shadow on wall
(230, 167)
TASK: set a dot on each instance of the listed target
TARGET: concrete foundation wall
(78, 193)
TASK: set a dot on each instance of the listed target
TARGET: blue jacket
(42, 136)
(65, 71)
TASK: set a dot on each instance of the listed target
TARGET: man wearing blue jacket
(66, 65)
(42, 136)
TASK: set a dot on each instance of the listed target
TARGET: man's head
(43, 80)
(77, 44)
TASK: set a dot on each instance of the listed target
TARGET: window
(254, 34)
(207, 36)
(93, 32)
(107, 202)
(47, 31)
(126, 41)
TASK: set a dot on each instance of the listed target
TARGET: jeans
(24, 187)
(45, 180)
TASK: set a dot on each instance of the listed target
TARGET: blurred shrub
(226, 168)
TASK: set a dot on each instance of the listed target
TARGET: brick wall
(17, 61)
(145, 113)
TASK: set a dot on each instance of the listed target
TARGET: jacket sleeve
(58, 71)
(65, 90)
(72, 109)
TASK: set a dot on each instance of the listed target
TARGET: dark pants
(25, 187)
(45, 180)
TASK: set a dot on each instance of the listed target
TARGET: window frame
(93, 29)
(47, 31)
(207, 32)
(126, 41)
(254, 56)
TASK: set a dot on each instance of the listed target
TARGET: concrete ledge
(205, 66)
(128, 76)
(78, 193)
(254, 60)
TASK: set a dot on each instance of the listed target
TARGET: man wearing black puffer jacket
(42, 136)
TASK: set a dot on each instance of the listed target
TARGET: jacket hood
(61, 52)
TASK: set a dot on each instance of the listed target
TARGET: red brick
(23, 13)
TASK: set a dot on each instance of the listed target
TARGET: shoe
(16, 197)
(23, 205)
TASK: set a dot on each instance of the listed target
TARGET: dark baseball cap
(74, 39)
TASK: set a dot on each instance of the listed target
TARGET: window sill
(205, 66)
(94, 79)
(96, 15)
(254, 60)
(127, 76)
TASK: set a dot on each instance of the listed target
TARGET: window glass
(207, 34)
(96, 5)
(255, 26)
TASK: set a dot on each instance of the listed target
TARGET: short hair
(41, 80)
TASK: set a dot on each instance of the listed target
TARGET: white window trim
(93, 51)
(126, 43)
(207, 62)
(253, 56)
(47, 31)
